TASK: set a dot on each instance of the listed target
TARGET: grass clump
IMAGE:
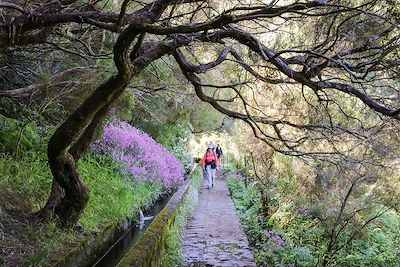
(112, 196)
(26, 181)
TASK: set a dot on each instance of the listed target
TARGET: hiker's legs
(213, 171)
(205, 175)
(209, 175)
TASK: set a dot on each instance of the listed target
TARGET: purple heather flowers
(141, 156)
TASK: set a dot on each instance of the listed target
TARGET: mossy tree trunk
(69, 195)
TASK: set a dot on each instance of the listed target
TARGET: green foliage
(15, 135)
(112, 196)
(206, 118)
(25, 182)
(287, 182)
(303, 229)
(175, 137)
(11, 108)
(247, 203)
(26, 177)
(381, 246)
(183, 216)
(272, 246)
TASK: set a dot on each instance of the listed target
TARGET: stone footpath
(214, 236)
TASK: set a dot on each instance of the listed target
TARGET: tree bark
(55, 197)
(69, 207)
(69, 195)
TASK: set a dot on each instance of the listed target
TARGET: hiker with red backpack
(210, 164)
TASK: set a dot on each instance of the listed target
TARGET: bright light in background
(199, 143)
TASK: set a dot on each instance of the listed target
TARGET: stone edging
(91, 247)
(150, 250)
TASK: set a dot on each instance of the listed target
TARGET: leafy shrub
(142, 157)
(15, 134)
(289, 238)
(380, 247)
(176, 139)
(272, 246)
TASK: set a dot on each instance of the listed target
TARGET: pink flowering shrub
(141, 156)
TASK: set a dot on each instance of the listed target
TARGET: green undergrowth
(112, 196)
(25, 186)
(288, 239)
(26, 181)
(184, 213)
(271, 245)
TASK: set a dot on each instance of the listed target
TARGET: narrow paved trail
(214, 236)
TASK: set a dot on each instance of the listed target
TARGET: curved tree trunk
(76, 195)
(69, 195)
(55, 197)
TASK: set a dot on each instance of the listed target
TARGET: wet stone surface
(214, 236)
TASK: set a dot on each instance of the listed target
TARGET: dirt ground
(15, 246)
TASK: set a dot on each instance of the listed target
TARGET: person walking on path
(210, 164)
(218, 151)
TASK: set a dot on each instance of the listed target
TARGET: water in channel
(128, 239)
